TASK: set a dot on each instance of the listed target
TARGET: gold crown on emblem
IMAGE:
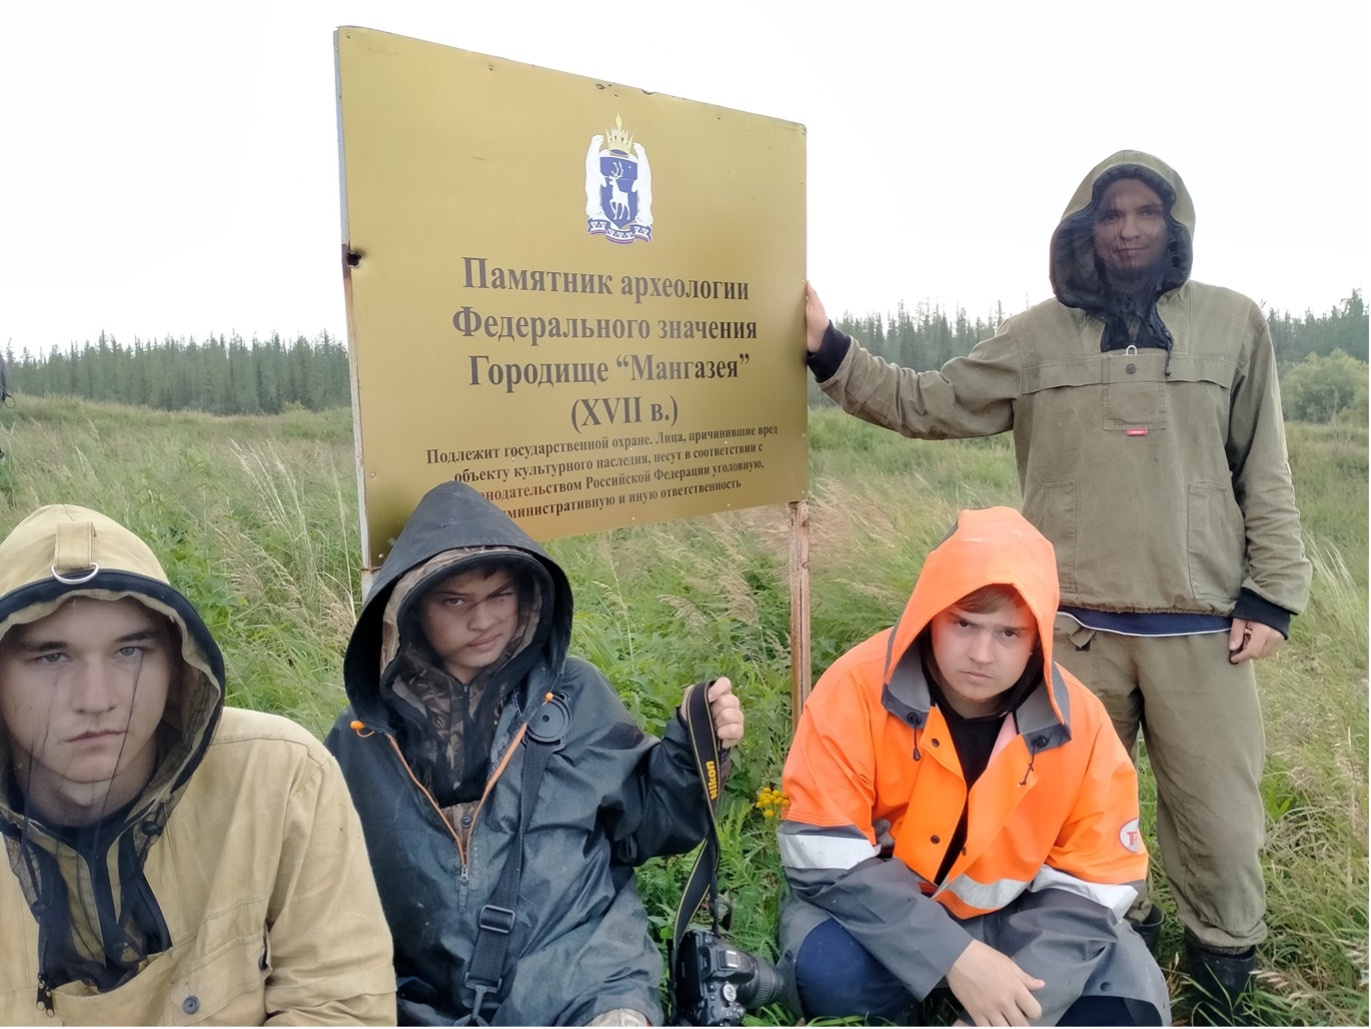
(616, 138)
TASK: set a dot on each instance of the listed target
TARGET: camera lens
(762, 987)
(715, 982)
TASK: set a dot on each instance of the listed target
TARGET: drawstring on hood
(1078, 278)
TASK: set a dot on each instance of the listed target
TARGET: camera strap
(544, 735)
(704, 874)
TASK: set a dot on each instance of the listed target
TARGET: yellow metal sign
(581, 298)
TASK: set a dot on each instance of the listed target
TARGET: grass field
(256, 520)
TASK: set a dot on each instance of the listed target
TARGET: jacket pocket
(1052, 509)
(225, 984)
(1120, 390)
(1134, 391)
(1216, 542)
(1141, 388)
(189, 984)
(1107, 391)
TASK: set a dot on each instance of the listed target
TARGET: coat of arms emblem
(618, 187)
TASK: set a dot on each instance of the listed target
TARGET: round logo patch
(1131, 836)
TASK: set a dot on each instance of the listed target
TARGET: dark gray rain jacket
(610, 798)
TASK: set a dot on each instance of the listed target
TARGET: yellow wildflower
(770, 802)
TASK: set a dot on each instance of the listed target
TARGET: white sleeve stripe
(803, 851)
(1117, 897)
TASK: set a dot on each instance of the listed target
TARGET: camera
(716, 982)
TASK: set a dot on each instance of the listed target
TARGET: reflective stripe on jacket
(875, 789)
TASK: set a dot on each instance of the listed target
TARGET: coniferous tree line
(922, 338)
(219, 375)
(1322, 361)
(1342, 328)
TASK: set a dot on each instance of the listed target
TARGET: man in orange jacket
(960, 810)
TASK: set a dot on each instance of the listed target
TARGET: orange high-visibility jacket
(873, 774)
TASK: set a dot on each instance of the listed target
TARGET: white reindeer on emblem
(618, 199)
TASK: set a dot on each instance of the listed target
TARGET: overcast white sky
(172, 169)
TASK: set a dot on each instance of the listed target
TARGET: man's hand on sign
(816, 319)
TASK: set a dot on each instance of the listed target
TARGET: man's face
(1130, 229)
(981, 654)
(81, 694)
(470, 618)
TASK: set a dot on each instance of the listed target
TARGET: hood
(987, 546)
(55, 554)
(64, 551)
(453, 526)
(1076, 278)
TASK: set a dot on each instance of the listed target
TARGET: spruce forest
(1322, 361)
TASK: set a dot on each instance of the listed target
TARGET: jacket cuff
(824, 362)
(1255, 608)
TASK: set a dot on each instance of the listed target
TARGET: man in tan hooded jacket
(1148, 434)
(169, 860)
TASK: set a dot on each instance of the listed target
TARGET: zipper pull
(45, 994)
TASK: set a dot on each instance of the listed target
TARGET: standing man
(1151, 452)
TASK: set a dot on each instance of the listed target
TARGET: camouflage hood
(396, 683)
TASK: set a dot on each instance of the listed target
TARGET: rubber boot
(1149, 927)
(1220, 983)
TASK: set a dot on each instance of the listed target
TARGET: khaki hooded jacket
(235, 890)
(1159, 475)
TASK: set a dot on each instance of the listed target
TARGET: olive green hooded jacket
(1160, 475)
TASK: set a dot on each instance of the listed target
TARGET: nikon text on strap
(704, 874)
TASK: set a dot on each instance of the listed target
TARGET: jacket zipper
(45, 994)
(490, 784)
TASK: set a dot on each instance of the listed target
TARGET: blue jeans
(837, 977)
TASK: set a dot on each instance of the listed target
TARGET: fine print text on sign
(583, 299)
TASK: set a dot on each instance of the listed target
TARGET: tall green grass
(256, 520)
